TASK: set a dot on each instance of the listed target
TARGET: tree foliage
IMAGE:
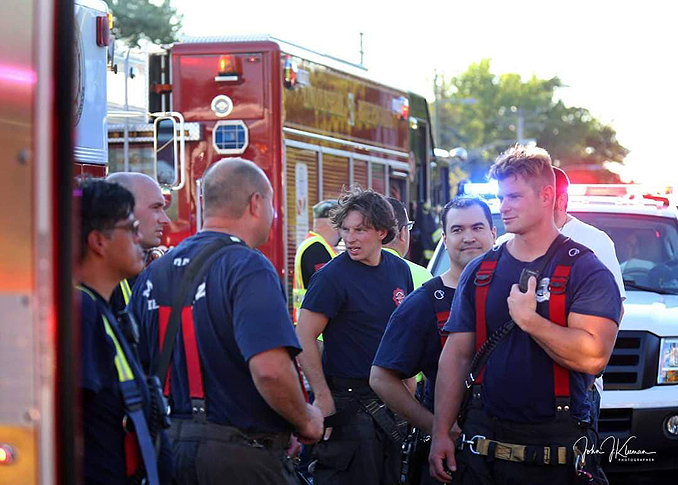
(481, 111)
(142, 19)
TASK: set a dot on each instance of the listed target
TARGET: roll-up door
(379, 178)
(360, 173)
(335, 175)
(302, 195)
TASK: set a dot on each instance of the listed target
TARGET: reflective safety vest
(298, 289)
(138, 444)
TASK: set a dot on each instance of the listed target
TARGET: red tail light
(103, 31)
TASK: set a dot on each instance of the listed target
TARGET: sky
(618, 58)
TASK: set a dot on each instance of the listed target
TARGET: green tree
(485, 113)
(134, 20)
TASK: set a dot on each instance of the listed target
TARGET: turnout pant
(211, 454)
(357, 452)
(475, 469)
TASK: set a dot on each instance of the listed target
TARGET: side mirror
(169, 165)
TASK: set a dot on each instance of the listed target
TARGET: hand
(523, 306)
(312, 429)
(442, 450)
(325, 402)
(294, 447)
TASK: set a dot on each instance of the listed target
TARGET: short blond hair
(530, 162)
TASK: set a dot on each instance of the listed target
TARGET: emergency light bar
(228, 68)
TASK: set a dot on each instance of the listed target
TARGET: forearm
(573, 348)
(279, 385)
(311, 363)
(392, 390)
(450, 389)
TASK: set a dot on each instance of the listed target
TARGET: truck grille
(615, 422)
(633, 364)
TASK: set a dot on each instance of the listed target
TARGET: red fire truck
(312, 122)
(47, 54)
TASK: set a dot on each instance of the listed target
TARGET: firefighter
(115, 396)
(316, 250)
(349, 301)
(412, 342)
(530, 421)
(235, 392)
(401, 243)
(601, 245)
(149, 210)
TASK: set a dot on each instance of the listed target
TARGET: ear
(548, 194)
(97, 243)
(382, 234)
(402, 235)
(494, 235)
(254, 204)
(561, 202)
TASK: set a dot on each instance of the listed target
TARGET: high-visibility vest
(298, 289)
(139, 444)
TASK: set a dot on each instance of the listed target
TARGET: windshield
(646, 246)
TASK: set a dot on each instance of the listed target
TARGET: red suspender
(193, 370)
(442, 318)
(163, 320)
(482, 282)
(561, 376)
(192, 358)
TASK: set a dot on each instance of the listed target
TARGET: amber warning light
(6, 454)
(104, 30)
(229, 68)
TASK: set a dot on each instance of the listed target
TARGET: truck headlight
(668, 361)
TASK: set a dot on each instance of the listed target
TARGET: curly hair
(376, 211)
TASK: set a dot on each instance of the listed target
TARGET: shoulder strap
(558, 315)
(132, 397)
(196, 266)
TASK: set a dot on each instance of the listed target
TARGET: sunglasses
(132, 227)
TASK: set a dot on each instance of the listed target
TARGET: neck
(397, 248)
(228, 226)
(328, 232)
(535, 242)
(99, 278)
(373, 260)
(451, 276)
(560, 219)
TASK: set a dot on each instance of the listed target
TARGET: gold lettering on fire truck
(374, 115)
(325, 101)
(344, 106)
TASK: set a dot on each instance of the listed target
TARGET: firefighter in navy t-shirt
(235, 392)
(413, 339)
(110, 372)
(349, 301)
(531, 423)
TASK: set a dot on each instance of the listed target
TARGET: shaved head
(229, 184)
(149, 205)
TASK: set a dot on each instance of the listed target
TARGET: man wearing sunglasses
(110, 372)
(149, 211)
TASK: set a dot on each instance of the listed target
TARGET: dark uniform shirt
(412, 342)
(358, 300)
(518, 377)
(102, 402)
(239, 311)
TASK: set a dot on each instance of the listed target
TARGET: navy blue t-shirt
(358, 300)
(102, 402)
(411, 342)
(239, 311)
(518, 378)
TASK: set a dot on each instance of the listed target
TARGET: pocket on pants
(336, 455)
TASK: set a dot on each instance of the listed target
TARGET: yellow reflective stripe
(124, 370)
(126, 291)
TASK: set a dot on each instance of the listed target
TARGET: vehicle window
(645, 246)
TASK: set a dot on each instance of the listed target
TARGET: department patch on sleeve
(398, 296)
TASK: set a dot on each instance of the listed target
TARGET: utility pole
(362, 52)
(437, 101)
(521, 125)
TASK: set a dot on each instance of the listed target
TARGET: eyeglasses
(132, 227)
(409, 225)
